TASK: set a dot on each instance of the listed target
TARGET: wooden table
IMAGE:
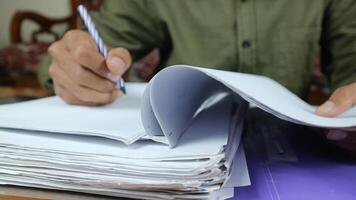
(23, 86)
(23, 193)
(21, 89)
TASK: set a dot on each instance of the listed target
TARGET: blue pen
(96, 37)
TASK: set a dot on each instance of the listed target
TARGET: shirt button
(246, 44)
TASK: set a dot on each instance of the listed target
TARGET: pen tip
(121, 85)
(123, 89)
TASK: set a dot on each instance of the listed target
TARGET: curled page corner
(175, 94)
(148, 117)
(172, 98)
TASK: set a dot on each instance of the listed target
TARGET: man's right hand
(80, 73)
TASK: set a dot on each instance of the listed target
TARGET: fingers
(118, 61)
(87, 55)
(68, 97)
(340, 101)
(84, 51)
(73, 93)
(90, 59)
(336, 135)
(343, 139)
(81, 74)
(76, 72)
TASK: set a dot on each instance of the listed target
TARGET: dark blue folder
(291, 162)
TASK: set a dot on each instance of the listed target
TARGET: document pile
(91, 156)
(177, 137)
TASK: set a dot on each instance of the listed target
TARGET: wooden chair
(45, 23)
(18, 62)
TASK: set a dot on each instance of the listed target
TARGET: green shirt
(279, 38)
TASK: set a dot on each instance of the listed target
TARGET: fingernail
(113, 77)
(327, 107)
(118, 62)
(119, 94)
(336, 135)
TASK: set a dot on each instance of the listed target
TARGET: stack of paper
(174, 138)
(48, 144)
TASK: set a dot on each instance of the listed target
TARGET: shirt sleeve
(43, 75)
(130, 24)
(339, 42)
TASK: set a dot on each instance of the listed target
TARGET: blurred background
(28, 27)
(49, 8)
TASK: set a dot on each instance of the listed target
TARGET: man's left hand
(341, 100)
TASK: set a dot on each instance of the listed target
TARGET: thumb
(341, 100)
(118, 61)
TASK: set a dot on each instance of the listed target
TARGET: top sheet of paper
(266, 94)
(120, 120)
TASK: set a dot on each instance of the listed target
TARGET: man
(277, 38)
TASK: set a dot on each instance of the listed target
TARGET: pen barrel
(92, 30)
(96, 37)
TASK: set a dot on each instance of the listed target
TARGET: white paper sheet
(266, 94)
(120, 120)
(173, 104)
(167, 107)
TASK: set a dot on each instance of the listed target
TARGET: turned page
(266, 93)
(170, 107)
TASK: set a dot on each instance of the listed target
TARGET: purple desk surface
(319, 170)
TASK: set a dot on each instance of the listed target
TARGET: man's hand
(341, 100)
(80, 73)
